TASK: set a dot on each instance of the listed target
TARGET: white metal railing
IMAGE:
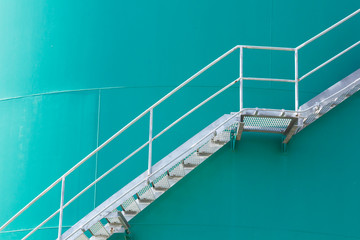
(151, 108)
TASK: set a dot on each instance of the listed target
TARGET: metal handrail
(150, 109)
(268, 79)
(147, 143)
(330, 60)
(328, 29)
(267, 48)
(144, 180)
(124, 128)
(115, 135)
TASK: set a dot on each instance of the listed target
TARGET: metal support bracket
(233, 133)
(290, 133)
(128, 235)
(283, 145)
(240, 130)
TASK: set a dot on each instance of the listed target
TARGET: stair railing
(241, 78)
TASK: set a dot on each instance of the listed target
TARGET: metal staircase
(113, 215)
(328, 99)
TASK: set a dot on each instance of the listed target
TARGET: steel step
(82, 237)
(98, 230)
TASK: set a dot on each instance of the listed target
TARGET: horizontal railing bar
(330, 60)
(269, 110)
(328, 29)
(117, 134)
(267, 48)
(41, 224)
(196, 107)
(268, 79)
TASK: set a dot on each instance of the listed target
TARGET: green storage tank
(74, 73)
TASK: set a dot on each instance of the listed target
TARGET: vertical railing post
(296, 80)
(61, 207)
(150, 142)
(241, 77)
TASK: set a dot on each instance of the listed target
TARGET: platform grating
(266, 124)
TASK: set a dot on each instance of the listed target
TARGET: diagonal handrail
(329, 60)
(328, 29)
(115, 135)
(149, 110)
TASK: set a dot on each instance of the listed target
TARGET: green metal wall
(138, 51)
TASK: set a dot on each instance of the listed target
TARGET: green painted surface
(145, 49)
(259, 192)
